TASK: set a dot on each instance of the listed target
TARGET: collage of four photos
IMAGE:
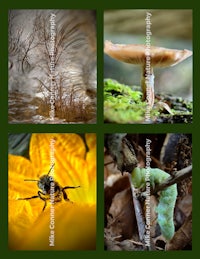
(146, 177)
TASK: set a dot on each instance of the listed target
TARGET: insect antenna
(33, 180)
(50, 169)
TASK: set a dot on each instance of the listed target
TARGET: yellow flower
(69, 225)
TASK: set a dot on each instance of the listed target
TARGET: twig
(42, 83)
(138, 213)
(140, 219)
(178, 177)
(136, 243)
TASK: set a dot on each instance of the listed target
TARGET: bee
(47, 186)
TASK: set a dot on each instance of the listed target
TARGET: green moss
(123, 104)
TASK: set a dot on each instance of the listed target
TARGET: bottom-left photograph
(52, 191)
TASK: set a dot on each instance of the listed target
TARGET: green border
(100, 128)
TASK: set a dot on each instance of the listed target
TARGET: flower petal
(40, 149)
(75, 229)
(73, 167)
(21, 213)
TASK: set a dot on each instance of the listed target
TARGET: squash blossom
(72, 226)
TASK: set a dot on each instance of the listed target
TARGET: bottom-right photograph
(147, 192)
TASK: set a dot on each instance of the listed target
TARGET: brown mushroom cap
(136, 54)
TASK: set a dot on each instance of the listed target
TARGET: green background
(99, 128)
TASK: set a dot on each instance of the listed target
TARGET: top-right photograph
(148, 66)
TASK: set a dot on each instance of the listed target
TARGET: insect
(47, 186)
(167, 199)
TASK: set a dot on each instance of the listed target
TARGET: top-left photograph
(52, 64)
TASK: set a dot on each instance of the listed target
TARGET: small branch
(178, 177)
(139, 215)
(139, 218)
(135, 243)
(42, 83)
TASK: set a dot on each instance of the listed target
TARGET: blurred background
(170, 29)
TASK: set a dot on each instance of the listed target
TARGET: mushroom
(147, 58)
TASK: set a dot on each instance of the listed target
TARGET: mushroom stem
(147, 84)
(156, 57)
